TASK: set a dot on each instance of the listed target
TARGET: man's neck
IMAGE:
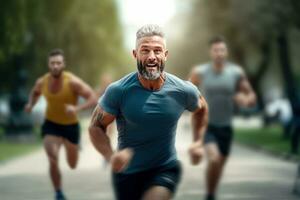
(152, 84)
(56, 78)
(218, 67)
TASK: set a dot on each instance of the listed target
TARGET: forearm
(101, 141)
(33, 98)
(200, 121)
(248, 96)
(199, 125)
(90, 102)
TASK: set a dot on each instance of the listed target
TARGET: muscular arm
(199, 125)
(200, 116)
(245, 95)
(97, 129)
(200, 121)
(100, 120)
(84, 90)
(34, 95)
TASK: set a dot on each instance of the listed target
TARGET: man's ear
(166, 54)
(134, 53)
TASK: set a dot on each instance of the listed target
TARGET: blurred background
(98, 38)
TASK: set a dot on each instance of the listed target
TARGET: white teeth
(151, 65)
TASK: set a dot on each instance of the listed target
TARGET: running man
(223, 84)
(147, 105)
(61, 90)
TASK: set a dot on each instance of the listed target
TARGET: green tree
(12, 36)
(88, 31)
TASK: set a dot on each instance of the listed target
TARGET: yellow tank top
(56, 102)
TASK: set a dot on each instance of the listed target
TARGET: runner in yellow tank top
(61, 90)
(57, 102)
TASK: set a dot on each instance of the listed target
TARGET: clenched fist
(241, 99)
(120, 160)
(70, 109)
(196, 152)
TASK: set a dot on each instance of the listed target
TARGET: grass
(9, 150)
(267, 138)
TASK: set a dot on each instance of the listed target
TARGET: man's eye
(144, 51)
(158, 51)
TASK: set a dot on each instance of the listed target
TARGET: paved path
(249, 175)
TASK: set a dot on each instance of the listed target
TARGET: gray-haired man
(147, 105)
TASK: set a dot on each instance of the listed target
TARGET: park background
(98, 38)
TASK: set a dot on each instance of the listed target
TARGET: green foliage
(88, 31)
(1, 132)
(9, 150)
(269, 138)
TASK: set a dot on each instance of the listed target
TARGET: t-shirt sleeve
(110, 100)
(193, 95)
(200, 69)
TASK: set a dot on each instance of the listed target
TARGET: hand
(241, 99)
(28, 108)
(70, 109)
(196, 152)
(120, 160)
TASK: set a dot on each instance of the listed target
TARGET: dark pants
(133, 186)
(70, 132)
(221, 136)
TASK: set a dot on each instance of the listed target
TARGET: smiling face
(151, 55)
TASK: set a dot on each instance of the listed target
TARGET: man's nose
(55, 66)
(151, 56)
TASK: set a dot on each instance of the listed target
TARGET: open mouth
(151, 66)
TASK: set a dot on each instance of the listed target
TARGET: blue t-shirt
(146, 119)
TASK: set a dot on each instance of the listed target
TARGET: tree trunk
(291, 89)
(262, 69)
(289, 79)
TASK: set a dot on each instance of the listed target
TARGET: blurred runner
(61, 90)
(223, 84)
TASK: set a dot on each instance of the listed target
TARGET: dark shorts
(133, 186)
(70, 132)
(222, 136)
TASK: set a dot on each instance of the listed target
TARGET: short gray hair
(148, 31)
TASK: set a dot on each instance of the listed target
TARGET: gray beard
(148, 75)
